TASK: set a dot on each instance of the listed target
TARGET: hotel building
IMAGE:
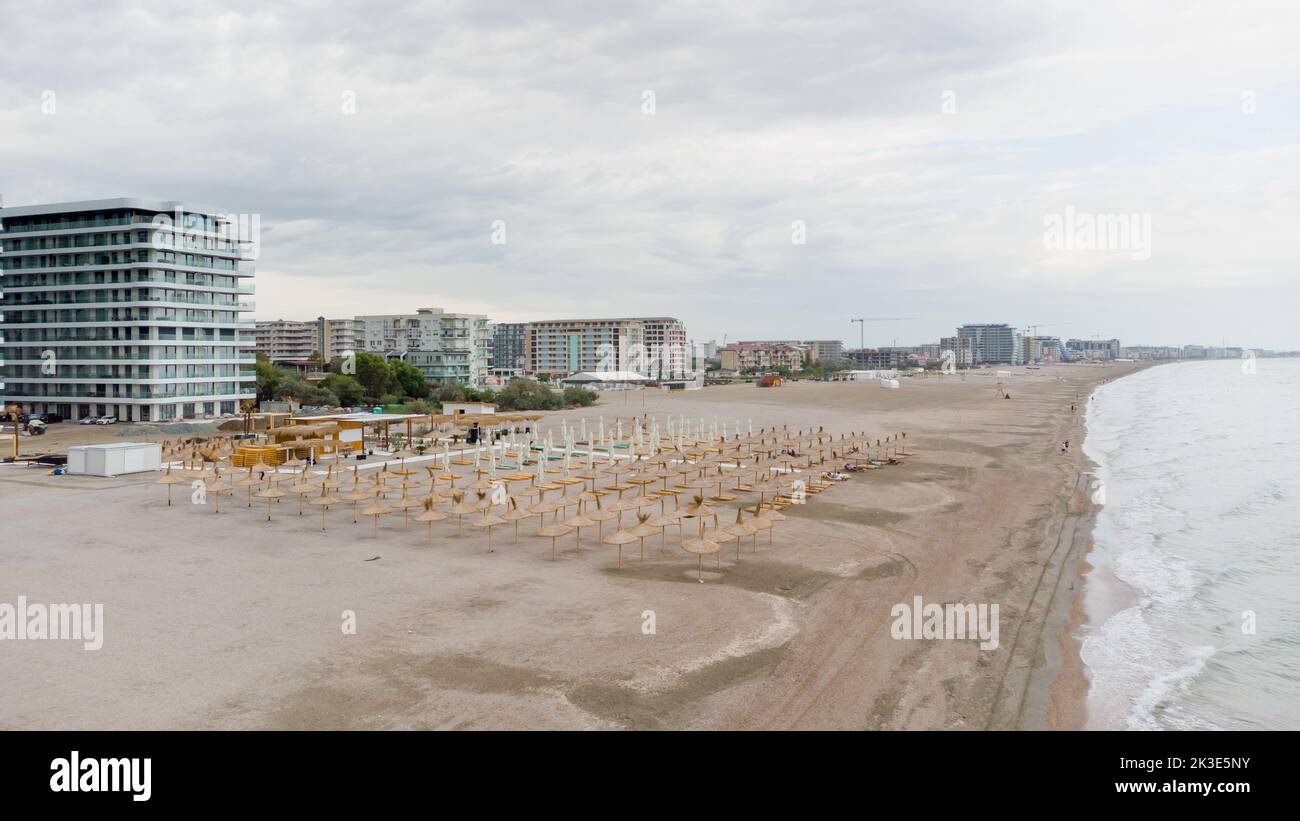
(110, 307)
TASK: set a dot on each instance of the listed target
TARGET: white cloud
(766, 113)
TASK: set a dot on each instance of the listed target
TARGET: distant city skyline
(1109, 166)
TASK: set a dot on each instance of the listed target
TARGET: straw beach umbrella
(374, 510)
(168, 479)
(460, 509)
(301, 487)
(770, 516)
(429, 516)
(701, 547)
(644, 527)
(270, 494)
(514, 514)
(488, 520)
(355, 495)
(578, 521)
(250, 483)
(740, 529)
(405, 504)
(553, 531)
(620, 537)
(217, 487)
(323, 501)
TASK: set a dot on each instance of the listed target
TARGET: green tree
(269, 381)
(373, 373)
(526, 394)
(578, 397)
(408, 379)
(421, 406)
(347, 390)
(449, 393)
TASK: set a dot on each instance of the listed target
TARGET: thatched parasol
(488, 520)
(553, 531)
(460, 509)
(771, 516)
(168, 479)
(429, 516)
(301, 487)
(323, 501)
(578, 521)
(250, 483)
(405, 504)
(620, 537)
(740, 528)
(356, 495)
(270, 494)
(375, 509)
(217, 487)
(514, 514)
(645, 528)
(701, 547)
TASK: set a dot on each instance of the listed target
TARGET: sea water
(1194, 600)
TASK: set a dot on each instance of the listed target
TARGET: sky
(760, 170)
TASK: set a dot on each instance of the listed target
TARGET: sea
(1193, 602)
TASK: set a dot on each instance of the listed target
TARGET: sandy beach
(228, 621)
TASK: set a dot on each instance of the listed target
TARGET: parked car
(35, 427)
(89, 420)
(106, 420)
(51, 418)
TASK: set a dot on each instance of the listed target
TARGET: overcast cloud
(765, 113)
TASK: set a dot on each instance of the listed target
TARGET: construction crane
(862, 325)
(1034, 328)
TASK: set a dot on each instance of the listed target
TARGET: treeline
(374, 381)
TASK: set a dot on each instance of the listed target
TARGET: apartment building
(993, 344)
(959, 348)
(744, 356)
(1045, 349)
(509, 344)
(446, 347)
(667, 353)
(560, 347)
(307, 345)
(334, 338)
(285, 341)
(126, 307)
(880, 358)
(1093, 349)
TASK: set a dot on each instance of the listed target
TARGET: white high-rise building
(446, 347)
(126, 307)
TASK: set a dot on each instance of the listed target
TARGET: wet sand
(228, 621)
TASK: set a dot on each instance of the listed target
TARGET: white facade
(446, 347)
(126, 307)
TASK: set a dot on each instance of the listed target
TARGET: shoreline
(1064, 682)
